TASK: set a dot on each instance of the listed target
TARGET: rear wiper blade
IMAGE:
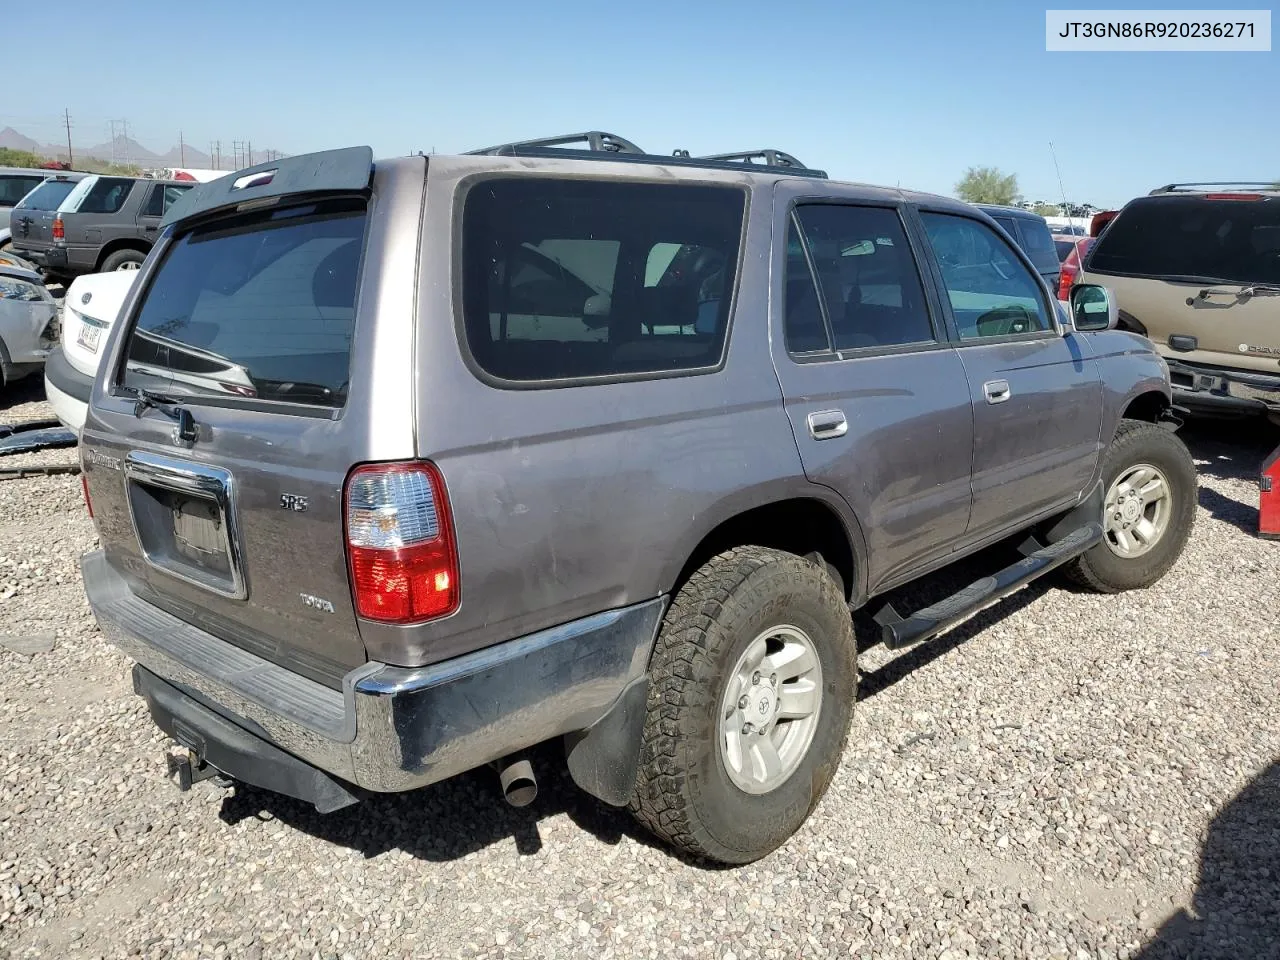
(1244, 291)
(144, 399)
(1186, 278)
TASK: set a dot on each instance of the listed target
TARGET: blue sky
(888, 92)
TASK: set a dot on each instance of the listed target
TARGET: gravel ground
(1066, 775)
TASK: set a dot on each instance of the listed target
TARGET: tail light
(84, 487)
(1071, 267)
(59, 231)
(400, 543)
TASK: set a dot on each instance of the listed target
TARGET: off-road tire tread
(679, 674)
(1129, 433)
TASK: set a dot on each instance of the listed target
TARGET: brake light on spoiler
(401, 551)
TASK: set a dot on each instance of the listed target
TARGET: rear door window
(867, 274)
(14, 188)
(161, 198)
(260, 308)
(571, 279)
(1236, 241)
(48, 196)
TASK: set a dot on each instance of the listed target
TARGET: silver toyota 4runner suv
(402, 468)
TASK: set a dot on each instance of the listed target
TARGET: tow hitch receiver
(191, 770)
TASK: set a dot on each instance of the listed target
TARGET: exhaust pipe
(515, 777)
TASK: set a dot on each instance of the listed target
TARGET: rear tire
(123, 260)
(694, 788)
(1141, 455)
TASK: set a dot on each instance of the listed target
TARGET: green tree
(988, 185)
(1046, 210)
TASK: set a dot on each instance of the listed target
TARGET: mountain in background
(123, 150)
(128, 150)
(12, 139)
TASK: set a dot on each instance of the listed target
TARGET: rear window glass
(1064, 248)
(48, 195)
(1237, 241)
(13, 189)
(1038, 244)
(565, 279)
(105, 195)
(261, 307)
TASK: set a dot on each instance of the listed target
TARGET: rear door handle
(827, 424)
(996, 391)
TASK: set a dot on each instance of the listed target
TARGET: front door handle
(827, 424)
(996, 391)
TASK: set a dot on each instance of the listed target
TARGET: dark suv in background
(102, 223)
(32, 190)
(1030, 231)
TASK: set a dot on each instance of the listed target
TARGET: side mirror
(1093, 308)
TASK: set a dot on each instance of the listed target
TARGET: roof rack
(598, 145)
(597, 141)
(770, 158)
(1197, 187)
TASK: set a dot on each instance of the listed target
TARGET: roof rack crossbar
(597, 141)
(769, 157)
(1191, 187)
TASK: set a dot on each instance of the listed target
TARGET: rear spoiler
(348, 170)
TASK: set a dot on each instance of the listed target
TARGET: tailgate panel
(241, 532)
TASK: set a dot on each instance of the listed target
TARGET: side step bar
(897, 632)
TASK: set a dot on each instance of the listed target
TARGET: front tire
(753, 684)
(1150, 493)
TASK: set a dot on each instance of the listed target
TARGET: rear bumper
(389, 728)
(1223, 388)
(68, 389)
(49, 257)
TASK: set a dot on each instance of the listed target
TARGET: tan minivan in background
(1196, 268)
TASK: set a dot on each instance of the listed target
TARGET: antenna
(1061, 188)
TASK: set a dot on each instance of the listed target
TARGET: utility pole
(182, 150)
(113, 140)
(249, 151)
(217, 152)
(127, 159)
(66, 118)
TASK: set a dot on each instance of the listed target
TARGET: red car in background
(1071, 263)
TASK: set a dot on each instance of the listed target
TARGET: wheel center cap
(1132, 509)
(762, 707)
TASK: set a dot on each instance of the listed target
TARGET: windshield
(1236, 241)
(48, 195)
(260, 308)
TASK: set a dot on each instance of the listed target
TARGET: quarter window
(570, 279)
(870, 286)
(992, 293)
(107, 195)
